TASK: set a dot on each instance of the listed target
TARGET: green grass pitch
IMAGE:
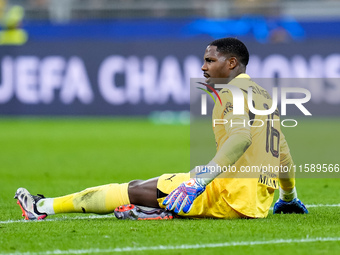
(60, 156)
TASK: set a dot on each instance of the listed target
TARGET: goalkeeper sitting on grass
(204, 194)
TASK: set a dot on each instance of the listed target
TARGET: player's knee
(134, 186)
(143, 192)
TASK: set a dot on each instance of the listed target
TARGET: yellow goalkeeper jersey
(250, 183)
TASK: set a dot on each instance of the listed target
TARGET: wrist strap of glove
(288, 196)
(208, 173)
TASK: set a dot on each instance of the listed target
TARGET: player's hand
(294, 206)
(183, 196)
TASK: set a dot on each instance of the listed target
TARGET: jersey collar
(242, 76)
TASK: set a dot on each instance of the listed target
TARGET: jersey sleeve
(237, 124)
(237, 130)
(287, 176)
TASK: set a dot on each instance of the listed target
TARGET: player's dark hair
(233, 47)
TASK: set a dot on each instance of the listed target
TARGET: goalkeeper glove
(289, 203)
(184, 195)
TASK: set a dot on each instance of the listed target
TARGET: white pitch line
(61, 219)
(319, 205)
(335, 205)
(179, 247)
(111, 216)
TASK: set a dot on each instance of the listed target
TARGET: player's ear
(232, 62)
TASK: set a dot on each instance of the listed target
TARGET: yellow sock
(101, 200)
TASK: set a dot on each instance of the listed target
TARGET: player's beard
(213, 81)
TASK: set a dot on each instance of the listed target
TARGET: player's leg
(101, 200)
(144, 197)
(144, 192)
(209, 204)
(144, 205)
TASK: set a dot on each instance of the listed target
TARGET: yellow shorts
(210, 204)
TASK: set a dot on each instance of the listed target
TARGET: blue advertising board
(96, 76)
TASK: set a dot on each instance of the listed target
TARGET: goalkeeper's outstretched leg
(100, 200)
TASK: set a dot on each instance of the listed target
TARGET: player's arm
(230, 151)
(288, 201)
(287, 178)
(238, 142)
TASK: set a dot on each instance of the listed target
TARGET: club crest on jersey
(228, 108)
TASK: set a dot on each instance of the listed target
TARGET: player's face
(215, 65)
